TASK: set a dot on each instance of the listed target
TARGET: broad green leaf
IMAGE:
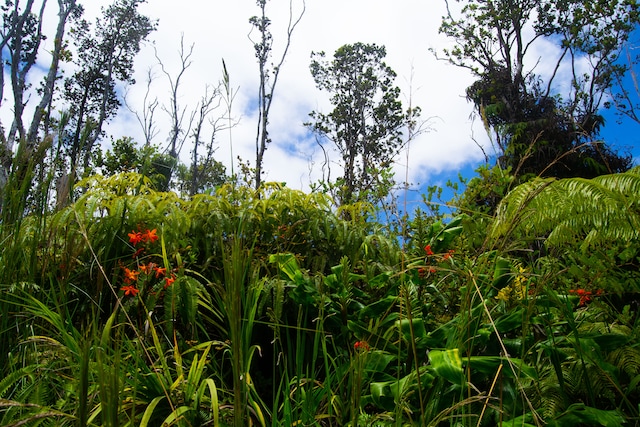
(510, 321)
(448, 365)
(579, 414)
(525, 420)
(287, 264)
(502, 273)
(413, 330)
(489, 365)
(377, 361)
(378, 308)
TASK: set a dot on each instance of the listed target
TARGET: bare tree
(21, 36)
(67, 8)
(624, 94)
(209, 102)
(263, 50)
(178, 133)
(146, 117)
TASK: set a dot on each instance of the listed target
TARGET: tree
(21, 36)
(539, 128)
(24, 31)
(126, 156)
(366, 123)
(103, 59)
(177, 134)
(204, 171)
(67, 9)
(624, 95)
(263, 50)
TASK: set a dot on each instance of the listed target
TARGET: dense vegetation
(136, 307)
(153, 293)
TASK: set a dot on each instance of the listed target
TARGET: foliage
(136, 307)
(589, 213)
(539, 130)
(367, 119)
(103, 59)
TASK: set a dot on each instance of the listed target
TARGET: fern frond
(574, 210)
(626, 359)
(547, 396)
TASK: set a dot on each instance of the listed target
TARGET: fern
(574, 210)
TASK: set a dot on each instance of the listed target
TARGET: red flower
(146, 269)
(130, 290)
(135, 237)
(130, 275)
(448, 255)
(160, 271)
(428, 250)
(137, 253)
(361, 346)
(585, 296)
(150, 236)
(432, 270)
(169, 281)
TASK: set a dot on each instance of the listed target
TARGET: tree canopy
(366, 122)
(543, 123)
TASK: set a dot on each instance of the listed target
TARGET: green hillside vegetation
(137, 307)
(139, 291)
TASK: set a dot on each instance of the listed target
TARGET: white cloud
(219, 30)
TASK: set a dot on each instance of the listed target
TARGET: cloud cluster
(221, 30)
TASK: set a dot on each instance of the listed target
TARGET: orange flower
(361, 346)
(130, 290)
(169, 281)
(146, 269)
(135, 237)
(130, 275)
(585, 296)
(150, 236)
(428, 250)
(160, 271)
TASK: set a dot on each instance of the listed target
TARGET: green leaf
(382, 395)
(288, 265)
(610, 342)
(376, 309)
(489, 365)
(580, 414)
(525, 420)
(416, 326)
(509, 321)
(448, 365)
(377, 361)
(148, 413)
(502, 273)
